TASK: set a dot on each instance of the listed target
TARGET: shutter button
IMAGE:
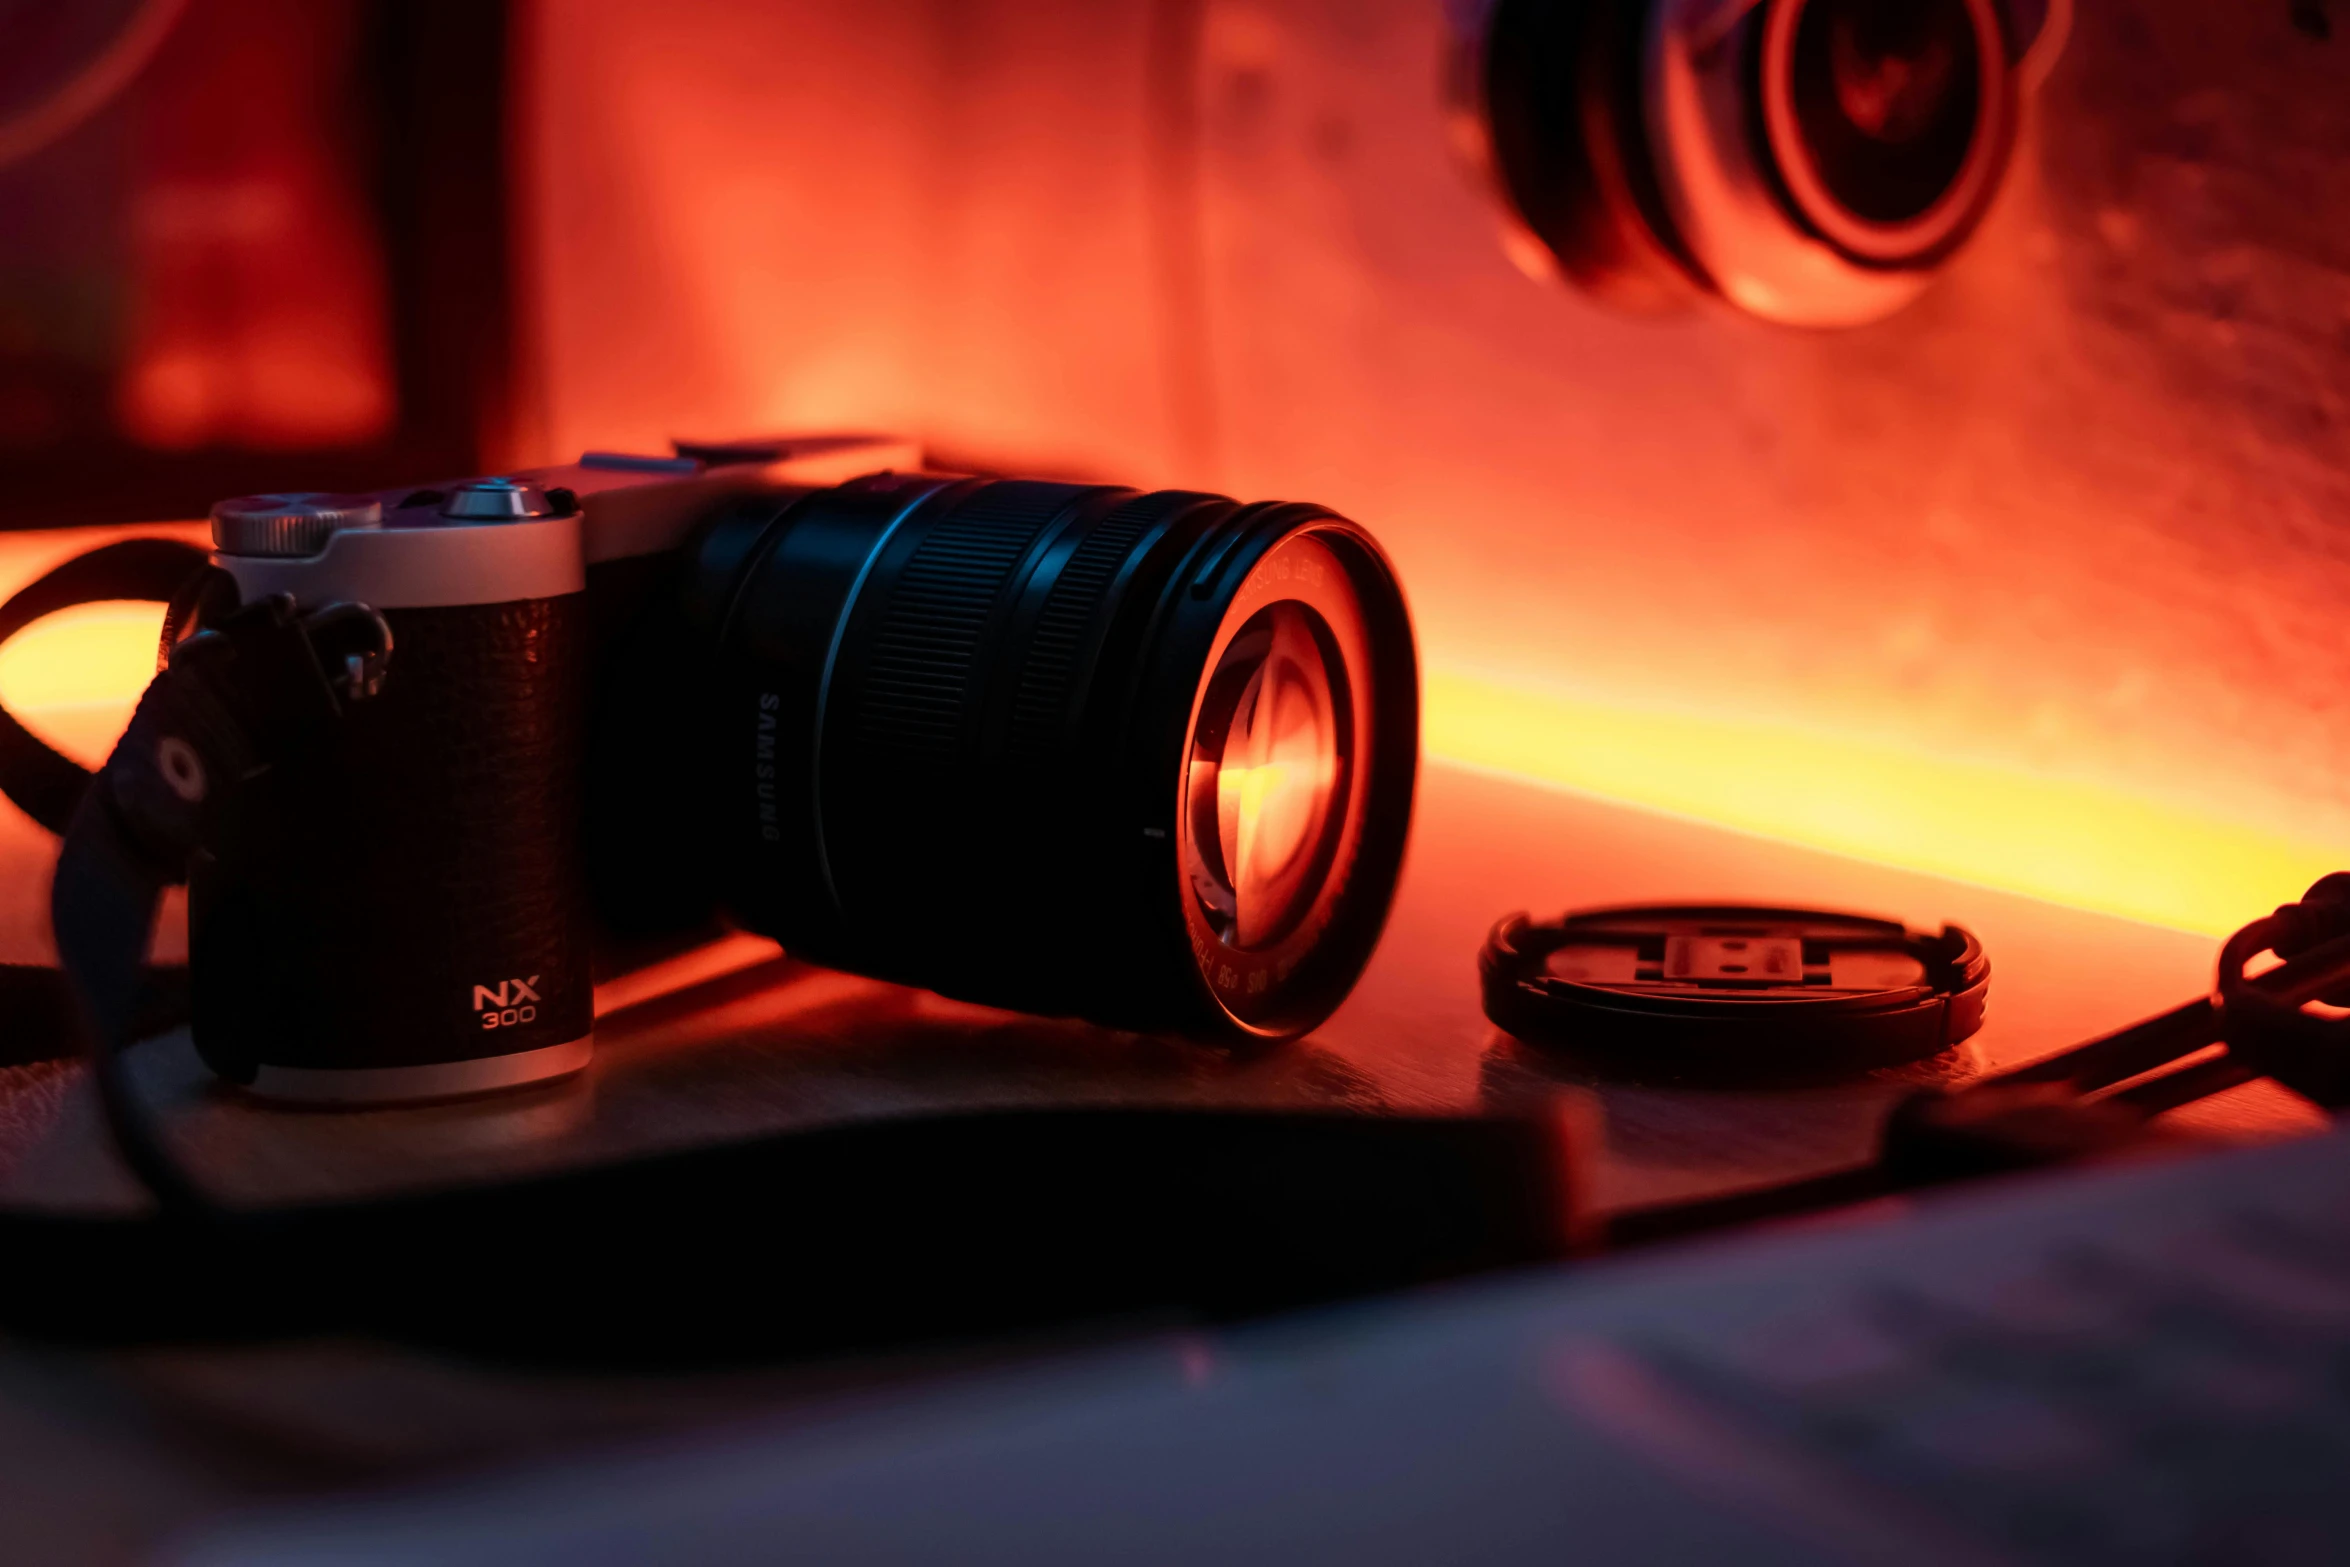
(506, 500)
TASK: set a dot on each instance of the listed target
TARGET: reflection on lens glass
(1893, 73)
(1267, 776)
(1886, 94)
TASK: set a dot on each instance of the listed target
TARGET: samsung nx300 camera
(1065, 748)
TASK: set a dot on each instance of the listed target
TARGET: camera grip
(400, 914)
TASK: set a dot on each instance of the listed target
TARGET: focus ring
(1048, 675)
(928, 636)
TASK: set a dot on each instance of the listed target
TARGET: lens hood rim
(1196, 603)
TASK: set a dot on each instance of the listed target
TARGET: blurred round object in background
(1814, 162)
(1889, 121)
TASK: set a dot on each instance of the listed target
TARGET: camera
(1145, 758)
(1814, 162)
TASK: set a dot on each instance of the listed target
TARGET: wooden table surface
(101, 1456)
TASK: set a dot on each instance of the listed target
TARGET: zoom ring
(918, 687)
(1049, 672)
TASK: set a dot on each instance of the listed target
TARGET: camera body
(1146, 758)
(407, 914)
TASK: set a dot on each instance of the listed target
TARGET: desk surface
(100, 1454)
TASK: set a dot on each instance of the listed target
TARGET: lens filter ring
(1282, 756)
(1732, 990)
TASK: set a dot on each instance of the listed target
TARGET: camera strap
(230, 703)
(853, 1237)
(47, 785)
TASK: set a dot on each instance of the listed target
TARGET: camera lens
(1145, 758)
(1888, 120)
(1268, 759)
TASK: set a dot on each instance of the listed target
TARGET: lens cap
(1750, 991)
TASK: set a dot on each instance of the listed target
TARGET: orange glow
(258, 307)
(2013, 586)
(74, 676)
(2061, 839)
(727, 955)
(1275, 775)
(97, 653)
(1265, 811)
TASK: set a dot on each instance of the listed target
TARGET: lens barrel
(950, 733)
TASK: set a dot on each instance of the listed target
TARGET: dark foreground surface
(106, 1457)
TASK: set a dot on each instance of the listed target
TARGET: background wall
(2039, 582)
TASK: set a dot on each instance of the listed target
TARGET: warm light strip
(2063, 840)
(89, 654)
(76, 674)
(729, 954)
(2058, 839)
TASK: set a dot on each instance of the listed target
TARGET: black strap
(48, 786)
(811, 1242)
(852, 1237)
(230, 703)
(857, 1237)
(44, 784)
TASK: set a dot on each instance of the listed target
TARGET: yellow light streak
(2059, 839)
(2064, 840)
(93, 653)
(74, 676)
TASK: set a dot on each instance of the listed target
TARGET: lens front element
(1276, 777)
(1267, 775)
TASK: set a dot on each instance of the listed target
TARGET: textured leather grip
(412, 895)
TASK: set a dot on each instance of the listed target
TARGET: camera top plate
(416, 547)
